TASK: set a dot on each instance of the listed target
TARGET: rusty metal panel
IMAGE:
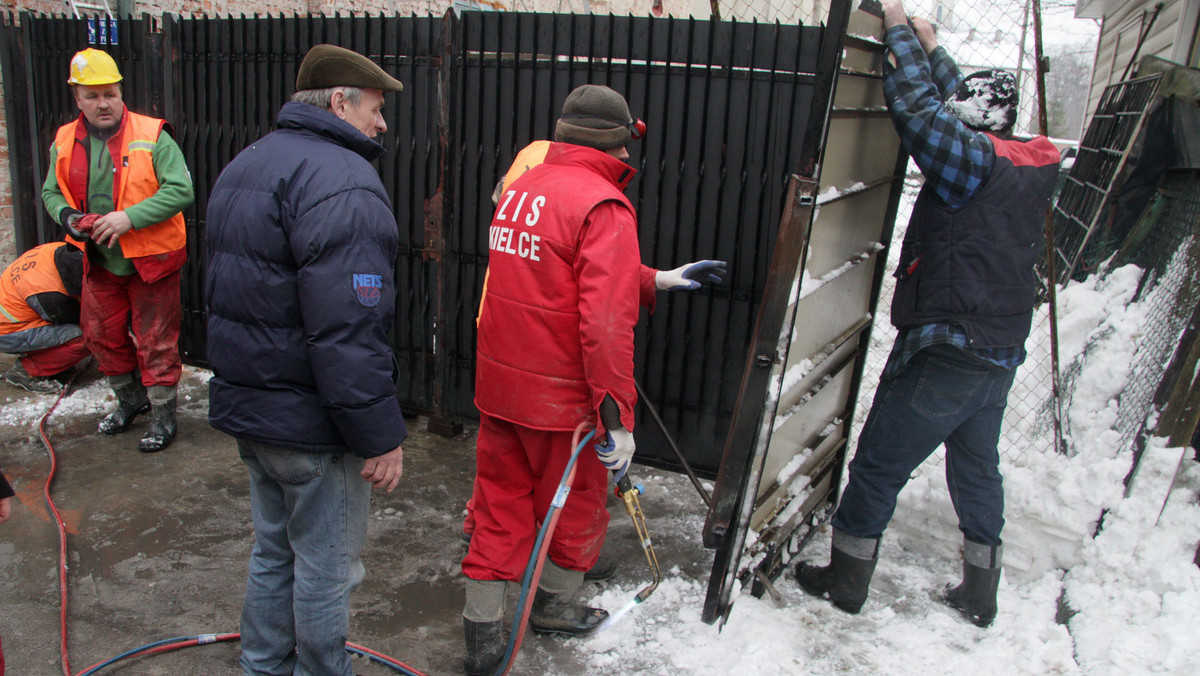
(1081, 205)
(779, 482)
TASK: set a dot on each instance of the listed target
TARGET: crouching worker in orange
(39, 315)
(117, 183)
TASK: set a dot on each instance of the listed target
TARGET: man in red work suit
(555, 348)
(118, 184)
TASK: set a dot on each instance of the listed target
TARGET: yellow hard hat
(93, 67)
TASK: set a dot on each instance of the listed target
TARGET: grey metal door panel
(786, 473)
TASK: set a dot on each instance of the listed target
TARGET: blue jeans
(310, 522)
(944, 394)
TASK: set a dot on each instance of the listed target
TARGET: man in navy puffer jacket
(302, 245)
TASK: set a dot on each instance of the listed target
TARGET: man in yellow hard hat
(118, 184)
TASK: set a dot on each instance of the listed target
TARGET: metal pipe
(687, 468)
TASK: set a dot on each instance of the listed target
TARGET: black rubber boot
(605, 569)
(162, 428)
(17, 375)
(485, 647)
(563, 614)
(847, 578)
(131, 402)
(975, 597)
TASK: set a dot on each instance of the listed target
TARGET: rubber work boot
(847, 578)
(485, 647)
(975, 597)
(17, 375)
(162, 428)
(561, 613)
(131, 402)
(605, 568)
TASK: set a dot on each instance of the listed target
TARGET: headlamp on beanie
(637, 130)
(597, 117)
(986, 101)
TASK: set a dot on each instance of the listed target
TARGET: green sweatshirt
(173, 196)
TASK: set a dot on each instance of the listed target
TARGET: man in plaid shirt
(965, 290)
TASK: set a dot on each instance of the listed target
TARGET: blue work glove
(691, 276)
(616, 450)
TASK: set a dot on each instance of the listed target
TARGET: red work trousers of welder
(54, 360)
(112, 306)
(518, 470)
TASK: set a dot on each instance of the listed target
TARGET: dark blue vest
(973, 266)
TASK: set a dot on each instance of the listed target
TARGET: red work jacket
(556, 321)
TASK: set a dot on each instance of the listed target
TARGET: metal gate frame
(786, 449)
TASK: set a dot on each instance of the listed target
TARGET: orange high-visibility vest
(32, 273)
(133, 180)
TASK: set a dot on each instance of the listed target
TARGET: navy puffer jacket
(301, 291)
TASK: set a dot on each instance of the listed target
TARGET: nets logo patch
(368, 288)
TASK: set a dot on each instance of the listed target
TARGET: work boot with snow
(556, 607)
(162, 421)
(562, 613)
(975, 597)
(17, 375)
(131, 402)
(847, 578)
(485, 646)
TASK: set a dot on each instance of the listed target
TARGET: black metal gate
(727, 104)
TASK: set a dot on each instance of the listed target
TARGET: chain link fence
(1165, 246)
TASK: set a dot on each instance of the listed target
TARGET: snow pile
(1138, 597)
(92, 399)
(1133, 591)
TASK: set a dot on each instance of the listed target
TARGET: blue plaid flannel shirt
(955, 160)
(912, 341)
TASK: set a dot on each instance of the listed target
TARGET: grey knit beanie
(594, 116)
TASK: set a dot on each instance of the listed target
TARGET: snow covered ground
(1130, 596)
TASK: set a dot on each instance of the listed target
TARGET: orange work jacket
(156, 250)
(32, 273)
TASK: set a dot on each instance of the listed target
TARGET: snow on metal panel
(779, 481)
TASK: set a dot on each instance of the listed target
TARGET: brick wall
(8, 250)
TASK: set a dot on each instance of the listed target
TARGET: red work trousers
(518, 470)
(112, 306)
(54, 360)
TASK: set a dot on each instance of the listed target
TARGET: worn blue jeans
(944, 394)
(310, 522)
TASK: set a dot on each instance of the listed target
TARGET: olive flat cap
(326, 66)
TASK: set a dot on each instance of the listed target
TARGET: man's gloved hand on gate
(691, 276)
(616, 450)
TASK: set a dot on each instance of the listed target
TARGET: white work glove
(690, 277)
(616, 450)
